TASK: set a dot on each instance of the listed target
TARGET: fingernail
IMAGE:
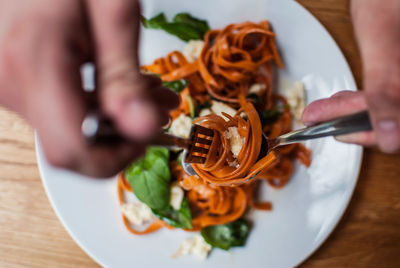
(388, 135)
(143, 118)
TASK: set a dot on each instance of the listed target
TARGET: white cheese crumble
(234, 163)
(193, 245)
(176, 196)
(192, 50)
(256, 88)
(235, 140)
(137, 213)
(205, 112)
(296, 98)
(181, 126)
(143, 71)
(219, 107)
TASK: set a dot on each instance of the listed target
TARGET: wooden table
(367, 236)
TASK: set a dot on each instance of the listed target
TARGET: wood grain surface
(367, 236)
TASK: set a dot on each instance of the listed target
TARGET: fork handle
(168, 140)
(344, 125)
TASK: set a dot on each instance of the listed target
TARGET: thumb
(123, 90)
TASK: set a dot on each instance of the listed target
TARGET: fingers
(340, 104)
(125, 94)
(134, 114)
(360, 138)
(56, 108)
(107, 161)
(115, 25)
(384, 104)
(165, 98)
(60, 129)
(379, 43)
(41, 78)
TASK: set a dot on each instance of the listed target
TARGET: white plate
(304, 212)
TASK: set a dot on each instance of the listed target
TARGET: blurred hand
(43, 44)
(377, 26)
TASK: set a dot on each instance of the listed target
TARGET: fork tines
(200, 141)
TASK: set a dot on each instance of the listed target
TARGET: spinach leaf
(155, 22)
(227, 235)
(254, 97)
(191, 106)
(179, 158)
(181, 218)
(269, 116)
(150, 178)
(177, 85)
(182, 31)
(200, 25)
(184, 26)
(202, 106)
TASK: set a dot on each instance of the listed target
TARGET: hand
(340, 104)
(43, 44)
(377, 25)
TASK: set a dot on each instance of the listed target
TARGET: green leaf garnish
(184, 26)
(254, 98)
(202, 106)
(155, 22)
(269, 116)
(181, 218)
(150, 178)
(176, 86)
(200, 25)
(228, 235)
(191, 106)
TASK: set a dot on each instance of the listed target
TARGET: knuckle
(13, 58)
(24, 47)
(344, 93)
(102, 164)
(66, 155)
(12, 49)
(120, 12)
(107, 171)
(355, 99)
(372, 97)
(59, 160)
(383, 89)
(388, 96)
(18, 42)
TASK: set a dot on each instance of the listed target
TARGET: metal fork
(343, 125)
(99, 130)
(196, 147)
